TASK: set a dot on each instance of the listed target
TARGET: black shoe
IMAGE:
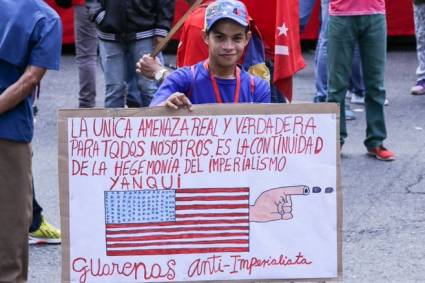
(319, 99)
(35, 110)
(132, 104)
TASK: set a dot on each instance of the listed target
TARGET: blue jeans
(419, 16)
(116, 64)
(321, 58)
(306, 9)
(134, 99)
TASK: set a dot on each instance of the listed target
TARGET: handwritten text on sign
(156, 152)
(202, 198)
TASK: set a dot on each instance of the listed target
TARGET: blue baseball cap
(226, 9)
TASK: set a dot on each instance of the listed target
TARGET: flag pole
(161, 45)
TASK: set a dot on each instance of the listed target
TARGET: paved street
(384, 203)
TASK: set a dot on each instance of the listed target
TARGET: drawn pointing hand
(275, 204)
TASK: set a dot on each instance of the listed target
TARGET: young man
(217, 79)
(360, 22)
(192, 48)
(30, 44)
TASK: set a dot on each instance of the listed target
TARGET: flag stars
(283, 30)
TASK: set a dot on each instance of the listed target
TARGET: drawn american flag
(183, 221)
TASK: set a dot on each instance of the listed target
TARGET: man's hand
(275, 204)
(148, 66)
(177, 100)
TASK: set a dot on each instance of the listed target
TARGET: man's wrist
(160, 74)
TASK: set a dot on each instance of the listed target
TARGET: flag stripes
(209, 220)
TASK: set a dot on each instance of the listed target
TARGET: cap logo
(220, 9)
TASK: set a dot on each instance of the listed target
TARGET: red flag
(281, 35)
(287, 48)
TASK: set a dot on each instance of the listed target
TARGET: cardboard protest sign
(225, 192)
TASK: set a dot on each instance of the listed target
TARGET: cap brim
(235, 19)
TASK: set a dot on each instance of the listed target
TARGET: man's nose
(228, 44)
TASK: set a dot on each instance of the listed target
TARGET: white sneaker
(419, 88)
(358, 99)
(348, 95)
(386, 102)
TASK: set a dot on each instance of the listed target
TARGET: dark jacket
(128, 20)
(418, 1)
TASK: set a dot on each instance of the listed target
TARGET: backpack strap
(192, 71)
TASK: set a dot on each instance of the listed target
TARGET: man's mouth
(227, 55)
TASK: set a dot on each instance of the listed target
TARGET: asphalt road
(384, 202)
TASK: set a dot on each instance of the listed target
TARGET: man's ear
(248, 37)
(205, 36)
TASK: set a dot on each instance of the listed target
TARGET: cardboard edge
(64, 191)
(339, 202)
(207, 109)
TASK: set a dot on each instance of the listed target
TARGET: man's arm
(152, 68)
(17, 92)
(96, 11)
(172, 90)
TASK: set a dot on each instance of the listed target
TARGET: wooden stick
(176, 27)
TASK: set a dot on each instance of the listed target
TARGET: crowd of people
(221, 59)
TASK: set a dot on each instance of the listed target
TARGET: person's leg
(419, 15)
(36, 211)
(15, 210)
(306, 9)
(356, 81)
(341, 43)
(86, 43)
(373, 49)
(41, 231)
(147, 87)
(320, 62)
(357, 88)
(114, 62)
(134, 97)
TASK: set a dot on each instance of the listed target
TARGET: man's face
(226, 42)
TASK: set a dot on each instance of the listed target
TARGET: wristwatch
(159, 75)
